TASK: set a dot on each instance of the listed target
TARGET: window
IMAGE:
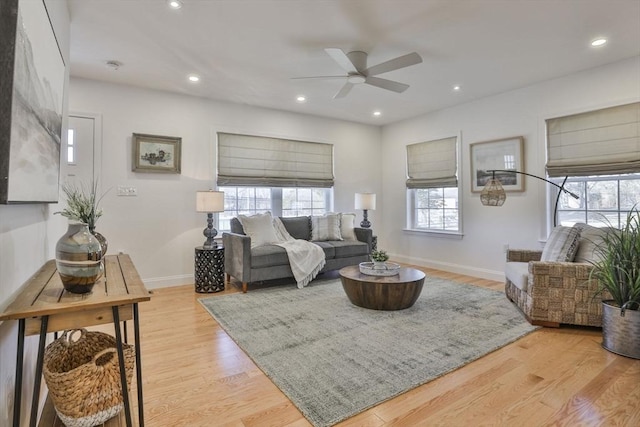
(286, 177)
(604, 200)
(600, 151)
(432, 186)
(71, 147)
(286, 202)
(436, 209)
(305, 201)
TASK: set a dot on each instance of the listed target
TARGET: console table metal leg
(18, 384)
(123, 374)
(44, 320)
(136, 337)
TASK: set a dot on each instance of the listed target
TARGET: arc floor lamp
(493, 193)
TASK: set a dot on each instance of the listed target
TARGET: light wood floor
(195, 375)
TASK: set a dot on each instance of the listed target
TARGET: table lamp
(210, 202)
(365, 201)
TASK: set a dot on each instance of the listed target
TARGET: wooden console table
(44, 306)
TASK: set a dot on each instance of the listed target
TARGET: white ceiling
(247, 51)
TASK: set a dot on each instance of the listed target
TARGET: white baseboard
(168, 281)
(451, 267)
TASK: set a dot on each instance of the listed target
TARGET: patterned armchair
(551, 293)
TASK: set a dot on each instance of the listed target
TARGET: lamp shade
(493, 193)
(365, 201)
(209, 201)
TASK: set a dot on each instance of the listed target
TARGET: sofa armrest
(237, 256)
(523, 255)
(364, 235)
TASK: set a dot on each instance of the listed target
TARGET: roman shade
(246, 160)
(600, 142)
(432, 164)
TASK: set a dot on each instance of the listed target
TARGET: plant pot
(79, 258)
(379, 265)
(620, 330)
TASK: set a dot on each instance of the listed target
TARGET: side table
(209, 269)
(43, 306)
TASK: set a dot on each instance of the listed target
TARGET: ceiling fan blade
(343, 91)
(342, 59)
(386, 84)
(394, 64)
(319, 77)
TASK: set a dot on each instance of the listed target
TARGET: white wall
(28, 235)
(522, 221)
(160, 228)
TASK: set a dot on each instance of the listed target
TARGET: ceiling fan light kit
(355, 64)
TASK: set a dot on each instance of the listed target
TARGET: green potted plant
(82, 205)
(618, 273)
(379, 258)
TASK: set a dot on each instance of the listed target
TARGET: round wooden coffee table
(382, 292)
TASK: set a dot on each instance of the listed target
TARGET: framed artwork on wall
(504, 154)
(32, 78)
(154, 153)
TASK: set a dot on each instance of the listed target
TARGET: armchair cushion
(590, 238)
(518, 274)
(562, 244)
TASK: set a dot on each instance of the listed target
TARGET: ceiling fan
(355, 64)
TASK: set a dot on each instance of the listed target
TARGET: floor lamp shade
(210, 202)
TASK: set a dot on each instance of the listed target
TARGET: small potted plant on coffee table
(379, 258)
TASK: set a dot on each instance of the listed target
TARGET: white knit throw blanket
(305, 258)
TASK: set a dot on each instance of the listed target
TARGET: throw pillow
(325, 228)
(590, 238)
(347, 224)
(561, 245)
(260, 228)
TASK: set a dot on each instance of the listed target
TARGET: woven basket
(83, 377)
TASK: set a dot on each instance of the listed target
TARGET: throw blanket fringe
(305, 258)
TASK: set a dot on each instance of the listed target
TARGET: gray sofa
(268, 262)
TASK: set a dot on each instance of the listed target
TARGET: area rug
(334, 360)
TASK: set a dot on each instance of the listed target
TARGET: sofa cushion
(328, 248)
(268, 256)
(561, 245)
(346, 249)
(347, 224)
(518, 274)
(260, 228)
(325, 228)
(299, 227)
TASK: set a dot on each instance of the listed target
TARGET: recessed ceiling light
(113, 64)
(193, 78)
(175, 4)
(301, 98)
(456, 88)
(377, 113)
(599, 42)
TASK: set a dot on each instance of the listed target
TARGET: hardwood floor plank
(196, 375)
